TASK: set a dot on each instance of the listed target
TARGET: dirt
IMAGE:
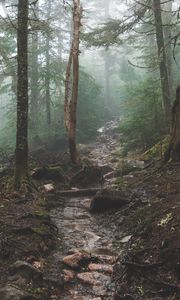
(154, 226)
(141, 241)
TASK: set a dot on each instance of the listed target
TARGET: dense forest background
(129, 54)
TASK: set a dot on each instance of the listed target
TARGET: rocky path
(88, 254)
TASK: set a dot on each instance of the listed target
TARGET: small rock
(68, 275)
(49, 187)
(93, 278)
(105, 258)
(126, 239)
(74, 260)
(101, 268)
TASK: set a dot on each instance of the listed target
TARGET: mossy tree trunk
(21, 159)
(173, 151)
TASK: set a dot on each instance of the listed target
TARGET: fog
(118, 59)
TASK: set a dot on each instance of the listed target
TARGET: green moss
(157, 151)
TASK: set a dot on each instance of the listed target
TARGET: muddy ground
(140, 241)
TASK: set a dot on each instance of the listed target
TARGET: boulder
(108, 199)
(26, 270)
(48, 173)
(88, 176)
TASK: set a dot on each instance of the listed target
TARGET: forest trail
(87, 242)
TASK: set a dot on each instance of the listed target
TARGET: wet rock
(26, 270)
(49, 187)
(11, 292)
(101, 268)
(48, 173)
(75, 260)
(68, 275)
(126, 239)
(105, 258)
(93, 278)
(108, 199)
(89, 175)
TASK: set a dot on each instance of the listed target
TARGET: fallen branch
(78, 193)
(141, 266)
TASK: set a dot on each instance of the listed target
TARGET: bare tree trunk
(173, 150)
(47, 76)
(162, 60)
(21, 160)
(70, 108)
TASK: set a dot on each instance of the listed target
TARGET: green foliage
(142, 124)
(89, 106)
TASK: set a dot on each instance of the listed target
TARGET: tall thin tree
(21, 160)
(162, 60)
(70, 107)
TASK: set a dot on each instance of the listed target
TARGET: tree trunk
(173, 150)
(70, 108)
(34, 78)
(162, 60)
(34, 83)
(67, 90)
(21, 160)
(47, 75)
(167, 21)
(107, 64)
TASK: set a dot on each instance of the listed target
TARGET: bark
(70, 108)
(67, 90)
(162, 60)
(107, 78)
(47, 75)
(167, 21)
(21, 160)
(173, 150)
(34, 77)
(34, 82)
(107, 64)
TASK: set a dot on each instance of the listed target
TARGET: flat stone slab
(101, 268)
(105, 258)
(94, 278)
(74, 260)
